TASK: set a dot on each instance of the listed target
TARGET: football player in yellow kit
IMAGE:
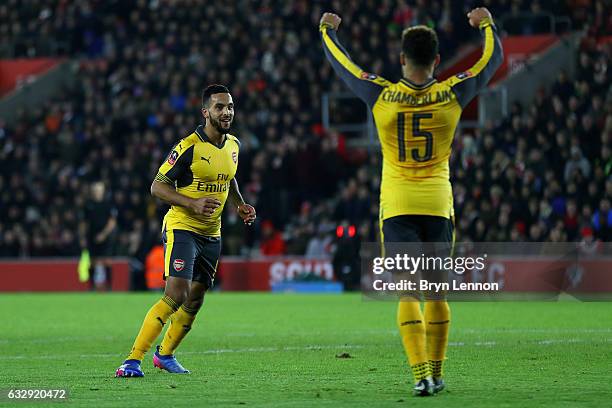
(416, 119)
(196, 179)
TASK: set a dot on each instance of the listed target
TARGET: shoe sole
(424, 393)
(123, 374)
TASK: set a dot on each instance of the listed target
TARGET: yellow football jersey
(416, 124)
(198, 168)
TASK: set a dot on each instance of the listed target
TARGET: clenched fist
(247, 213)
(477, 15)
(331, 20)
(205, 205)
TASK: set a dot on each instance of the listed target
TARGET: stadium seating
(140, 81)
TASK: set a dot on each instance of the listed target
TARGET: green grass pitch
(280, 350)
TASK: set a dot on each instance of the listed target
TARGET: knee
(193, 305)
(179, 295)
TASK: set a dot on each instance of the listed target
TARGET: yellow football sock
(180, 324)
(153, 324)
(412, 331)
(437, 317)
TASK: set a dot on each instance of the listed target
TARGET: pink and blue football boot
(168, 363)
(129, 368)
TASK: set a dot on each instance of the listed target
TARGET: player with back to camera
(196, 179)
(416, 120)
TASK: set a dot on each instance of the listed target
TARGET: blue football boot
(168, 363)
(129, 368)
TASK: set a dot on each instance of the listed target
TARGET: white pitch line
(529, 330)
(213, 351)
(392, 332)
(59, 339)
(485, 343)
(545, 342)
(558, 341)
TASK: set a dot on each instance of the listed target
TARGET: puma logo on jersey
(206, 160)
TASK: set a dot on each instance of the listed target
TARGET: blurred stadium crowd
(543, 174)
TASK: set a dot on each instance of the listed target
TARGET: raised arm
(468, 83)
(365, 85)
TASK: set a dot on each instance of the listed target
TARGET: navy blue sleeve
(467, 84)
(365, 85)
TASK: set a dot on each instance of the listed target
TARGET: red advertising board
(513, 274)
(260, 274)
(55, 275)
(15, 70)
(547, 275)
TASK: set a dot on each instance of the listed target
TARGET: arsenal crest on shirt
(235, 157)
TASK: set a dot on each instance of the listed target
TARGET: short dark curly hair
(211, 90)
(420, 45)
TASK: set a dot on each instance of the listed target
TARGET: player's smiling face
(220, 112)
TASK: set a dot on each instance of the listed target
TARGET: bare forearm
(234, 194)
(168, 194)
(246, 211)
(110, 226)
